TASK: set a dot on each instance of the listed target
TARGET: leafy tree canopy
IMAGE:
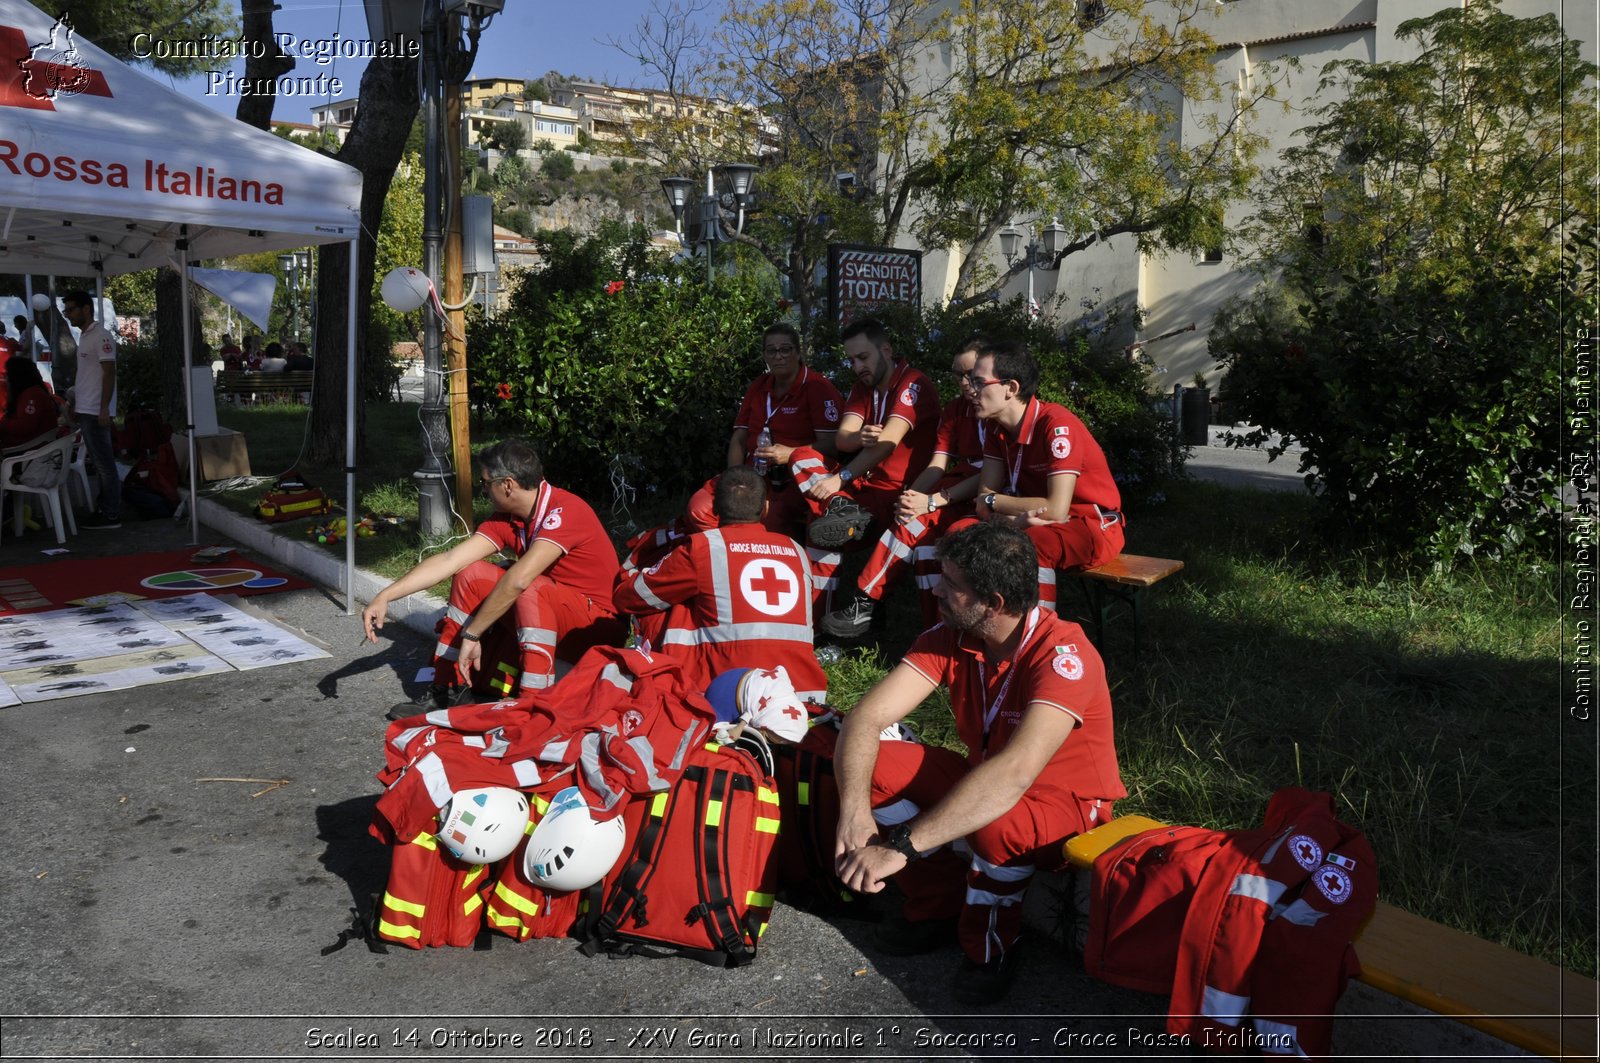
(114, 25)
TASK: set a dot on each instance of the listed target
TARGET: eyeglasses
(978, 383)
(487, 483)
(778, 352)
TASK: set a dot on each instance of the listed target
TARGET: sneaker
(899, 936)
(985, 983)
(843, 522)
(98, 521)
(430, 699)
(853, 621)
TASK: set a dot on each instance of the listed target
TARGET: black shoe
(98, 521)
(843, 522)
(851, 622)
(430, 699)
(985, 983)
(899, 936)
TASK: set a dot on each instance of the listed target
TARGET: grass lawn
(1428, 706)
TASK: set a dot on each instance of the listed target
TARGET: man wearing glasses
(796, 408)
(556, 595)
(941, 494)
(1042, 469)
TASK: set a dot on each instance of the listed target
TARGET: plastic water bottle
(763, 440)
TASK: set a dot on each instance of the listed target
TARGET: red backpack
(432, 898)
(698, 873)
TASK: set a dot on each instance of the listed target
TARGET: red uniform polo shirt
(588, 561)
(1051, 441)
(911, 396)
(961, 436)
(811, 405)
(1056, 665)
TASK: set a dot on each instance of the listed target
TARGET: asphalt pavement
(186, 857)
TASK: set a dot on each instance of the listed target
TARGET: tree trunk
(375, 146)
(255, 106)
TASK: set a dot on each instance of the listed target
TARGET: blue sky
(526, 39)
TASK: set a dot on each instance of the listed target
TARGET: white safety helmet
(483, 825)
(568, 849)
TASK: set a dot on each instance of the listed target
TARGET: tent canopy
(100, 166)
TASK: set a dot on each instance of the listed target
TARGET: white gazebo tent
(104, 171)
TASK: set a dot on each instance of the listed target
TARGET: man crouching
(1029, 697)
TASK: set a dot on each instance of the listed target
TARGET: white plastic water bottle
(763, 440)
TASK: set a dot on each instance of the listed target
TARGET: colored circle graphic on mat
(211, 579)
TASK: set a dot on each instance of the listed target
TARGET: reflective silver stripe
(823, 557)
(691, 738)
(438, 717)
(527, 772)
(641, 587)
(1277, 843)
(928, 583)
(896, 549)
(1020, 873)
(993, 900)
(434, 778)
(446, 652)
(647, 756)
(1257, 888)
(1278, 1038)
(1301, 914)
(1047, 576)
(537, 680)
(721, 589)
(1227, 1008)
(895, 813)
(617, 678)
(555, 751)
(925, 553)
(708, 636)
(475, 741)
(403, 739)
(498, 746)
(457, 616)
(589, 762)
(535, 637)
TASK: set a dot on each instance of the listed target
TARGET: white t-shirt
(95, 346)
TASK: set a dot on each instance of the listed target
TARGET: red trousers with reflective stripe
(899, 546)
(1028, 836)
(549, 620)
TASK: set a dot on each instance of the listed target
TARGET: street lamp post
(296, 267)
(727, 187)
(1050, 240)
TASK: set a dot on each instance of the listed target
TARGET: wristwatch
(988, 499)
(932, 505)
(845, 475)
(468, 636)
(899, 839)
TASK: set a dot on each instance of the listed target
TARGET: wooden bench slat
(239, 382)
(1135, 571)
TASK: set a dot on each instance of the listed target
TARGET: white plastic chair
(47, 468)
(78, 481)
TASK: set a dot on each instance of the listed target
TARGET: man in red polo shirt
(940, 495)
(734, 596)
(797, 408)
(1043, 470)
(890, 422)
(1029, 697)
(556, 594)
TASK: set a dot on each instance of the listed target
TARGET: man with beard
(888, 429)
(1029, 697)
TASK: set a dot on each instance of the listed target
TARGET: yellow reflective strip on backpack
(510, 669)
(427, 841)
(762, 931)
(713, 747)
(467, 882)
(766, 826)
(757, 899)
(473, 904)
(658, 804)
(764, 794)
(713, 813)
(388, 929)
(520, 903)
(394, 903)
(802, 793)
(496, 919)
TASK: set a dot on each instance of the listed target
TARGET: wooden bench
(1522, 1001)
(241, 388)
(1125, 579)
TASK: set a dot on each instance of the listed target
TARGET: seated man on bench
(1029, 697)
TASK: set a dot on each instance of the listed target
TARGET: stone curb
(421, 612)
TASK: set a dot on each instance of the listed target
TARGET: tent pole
(351, 517)
(188, 396)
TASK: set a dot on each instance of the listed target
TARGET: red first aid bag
(432, 898)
